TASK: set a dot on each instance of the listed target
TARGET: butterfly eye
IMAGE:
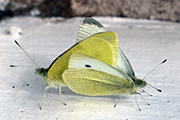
(87, 66)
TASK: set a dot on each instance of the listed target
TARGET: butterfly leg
(44, 96)
(61, 95)
(118, 100)
(137, 103)
(145, 92)
(142, 97)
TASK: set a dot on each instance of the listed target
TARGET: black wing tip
(90, 20)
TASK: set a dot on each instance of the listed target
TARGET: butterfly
(90, 76)
(100, 45)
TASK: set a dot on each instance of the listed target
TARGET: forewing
(94, 46)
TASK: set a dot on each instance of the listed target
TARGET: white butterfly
(89, 27)
(89, 76)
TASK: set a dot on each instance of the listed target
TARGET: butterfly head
(139, 83)
(42, 72)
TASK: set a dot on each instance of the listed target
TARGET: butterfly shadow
(69, 93)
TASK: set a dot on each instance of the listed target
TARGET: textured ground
(146, 43)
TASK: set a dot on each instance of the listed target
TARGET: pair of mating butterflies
(94, 65)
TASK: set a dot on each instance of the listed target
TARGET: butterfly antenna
(25, 53)
(152, 71)
(154, 87)
(155, 68)
(21, 66)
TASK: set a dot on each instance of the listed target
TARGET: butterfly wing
(87, 62)
(94, 46)
(124, 64)
(89, 27)
(90, 76)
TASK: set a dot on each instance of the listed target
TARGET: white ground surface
(146, 43)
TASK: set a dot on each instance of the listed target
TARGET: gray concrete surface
(146, 43)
